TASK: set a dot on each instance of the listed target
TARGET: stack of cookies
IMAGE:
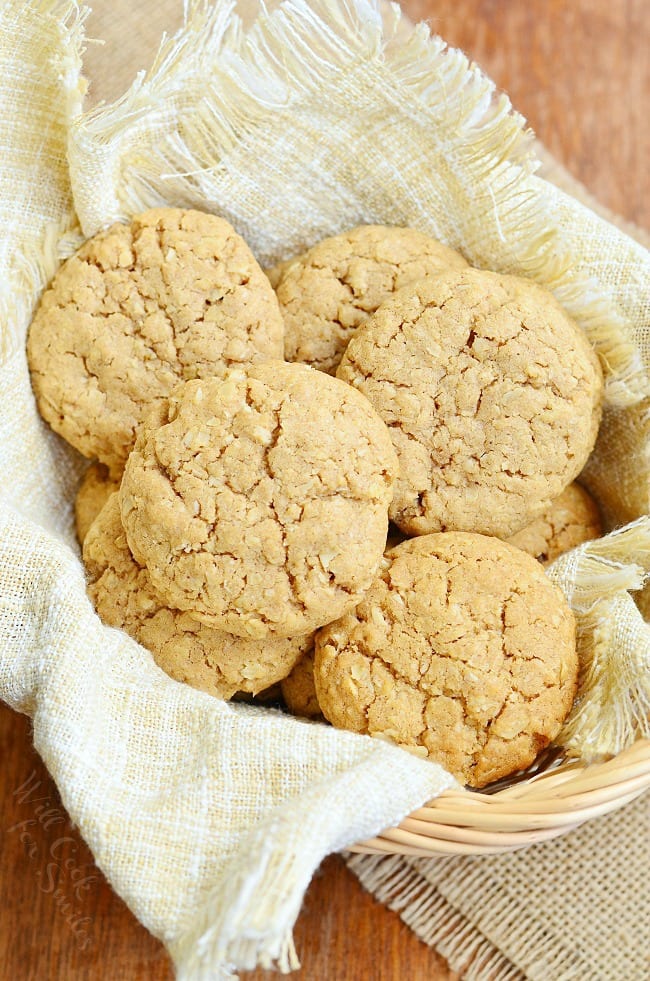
(254, 433)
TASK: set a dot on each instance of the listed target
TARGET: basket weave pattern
(545, 805)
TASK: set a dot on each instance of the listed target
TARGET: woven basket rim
(544, 805)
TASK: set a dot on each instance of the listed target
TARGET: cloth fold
(209, 818)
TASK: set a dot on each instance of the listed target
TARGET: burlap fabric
(211, 857)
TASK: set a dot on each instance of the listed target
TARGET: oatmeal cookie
(259, 502)
(462, 651)
(173, 295)
(570, 520)
(299, 691)
(492, 395)
(184, 648)
(327, 292)
(94, 490)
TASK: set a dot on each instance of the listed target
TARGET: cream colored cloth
(210, 818)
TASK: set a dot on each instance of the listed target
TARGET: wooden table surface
(579, 71)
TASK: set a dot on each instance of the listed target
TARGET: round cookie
(462, 651)
(327, 292)
(95, 489)
(570, 520)
(492, 395)
(186, 649)
(259, 502)
(173, 295)
(299, 691)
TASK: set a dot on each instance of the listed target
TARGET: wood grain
(578, 69)
(579, 72)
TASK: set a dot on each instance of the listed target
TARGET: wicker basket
(553, 798)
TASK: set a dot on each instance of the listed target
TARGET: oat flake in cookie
(174, 295)
(462, 651)
(492, 395)
(327, 292)
(186, 649)
(259, 502)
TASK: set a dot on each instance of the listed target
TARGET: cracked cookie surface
(188, 650)
(462, 651)
(328, 291)
(571, 519)
(259, 502)
(94, 490)
(174, 295)
(492, 395)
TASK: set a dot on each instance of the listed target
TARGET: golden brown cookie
(327, 292)
(173, 295)
(186, 649)
(492, 395)
(299, 691)
(571, 519)
(259, 502)
(95, 489)
(462, 651)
